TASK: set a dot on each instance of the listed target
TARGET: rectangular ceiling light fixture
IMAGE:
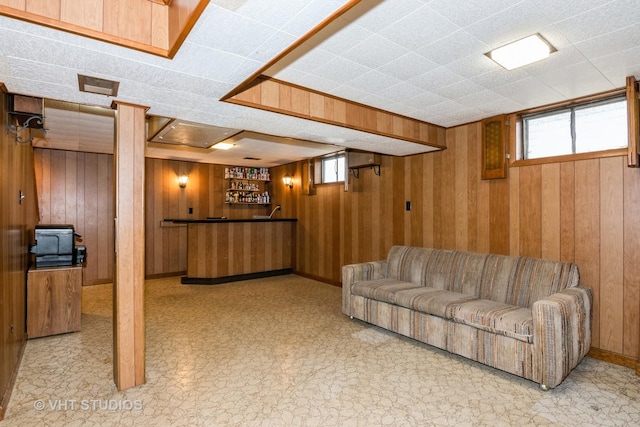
(222, 146)
(522, 52)
(97, 85)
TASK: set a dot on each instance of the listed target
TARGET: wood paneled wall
(77, 188)
(17, 221)
(205, 192)
(581, 211)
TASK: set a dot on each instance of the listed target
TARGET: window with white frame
(333, 169)
(583, 128)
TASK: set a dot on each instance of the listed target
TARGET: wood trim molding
(616, 359)
(633, 121)
(277, 96)
(618, 152)
(174, 45)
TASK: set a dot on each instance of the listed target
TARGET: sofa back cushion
(507, 279)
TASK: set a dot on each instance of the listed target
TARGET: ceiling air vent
(99, 86)
(180, 132)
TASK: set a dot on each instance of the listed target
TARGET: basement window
(333, 169)
(582, 128)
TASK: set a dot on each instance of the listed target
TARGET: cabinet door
(54, 301)
(494, 154)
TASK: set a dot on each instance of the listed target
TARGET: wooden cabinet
(54, 300)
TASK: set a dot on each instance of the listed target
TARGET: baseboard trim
(318, 278)
(236, 278)
(614, 358)
(163, 275)
(6, 395)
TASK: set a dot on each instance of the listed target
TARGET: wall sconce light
(288, 181)
(182, 180)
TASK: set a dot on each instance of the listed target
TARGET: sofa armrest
(353, 273)
(561, 333)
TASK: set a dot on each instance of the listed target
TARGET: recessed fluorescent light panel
(99, 86)
(222, 146)
(522, 52)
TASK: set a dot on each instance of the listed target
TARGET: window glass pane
(548, 135)
(601, 127)
(329, 170)
(341, 168)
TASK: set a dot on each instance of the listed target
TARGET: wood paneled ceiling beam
(158, 27)
(281, 97)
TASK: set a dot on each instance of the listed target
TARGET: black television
(55, 245)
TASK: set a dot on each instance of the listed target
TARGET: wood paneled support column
(128, 286)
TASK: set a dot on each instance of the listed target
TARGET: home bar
(228, 250)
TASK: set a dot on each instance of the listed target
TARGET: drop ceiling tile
(215, 21)
(377, 15)
(561, 10)
(595, 22)
(499, 76)
(375, 52)
(308, 17)
(472, 66)
(272, 47)
(616, 67)
(518, 21)
(530, 93)
(564, 57)
(419, 29)
(498, 105)
(467, 12)
(458, 90)
(453, 47)
(305, 60)
(341, 70)
(265, 13)
(440, 76)
(205, 62)
(622, 39)
(350, 92)
(423, 99)
(407, 66)
(338, 37)
(400, 92)
(373, 79)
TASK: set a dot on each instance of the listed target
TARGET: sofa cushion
(499, 318)
(381, 289)
(430, 300)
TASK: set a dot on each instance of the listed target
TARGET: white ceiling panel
(420, 58)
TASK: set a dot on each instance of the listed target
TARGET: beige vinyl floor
(279, 352)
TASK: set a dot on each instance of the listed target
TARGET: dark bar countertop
(225, 220)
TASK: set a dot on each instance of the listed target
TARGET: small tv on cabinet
(54, 245)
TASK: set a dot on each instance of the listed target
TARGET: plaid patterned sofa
(526, 316)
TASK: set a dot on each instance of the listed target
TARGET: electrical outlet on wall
(408, 205)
